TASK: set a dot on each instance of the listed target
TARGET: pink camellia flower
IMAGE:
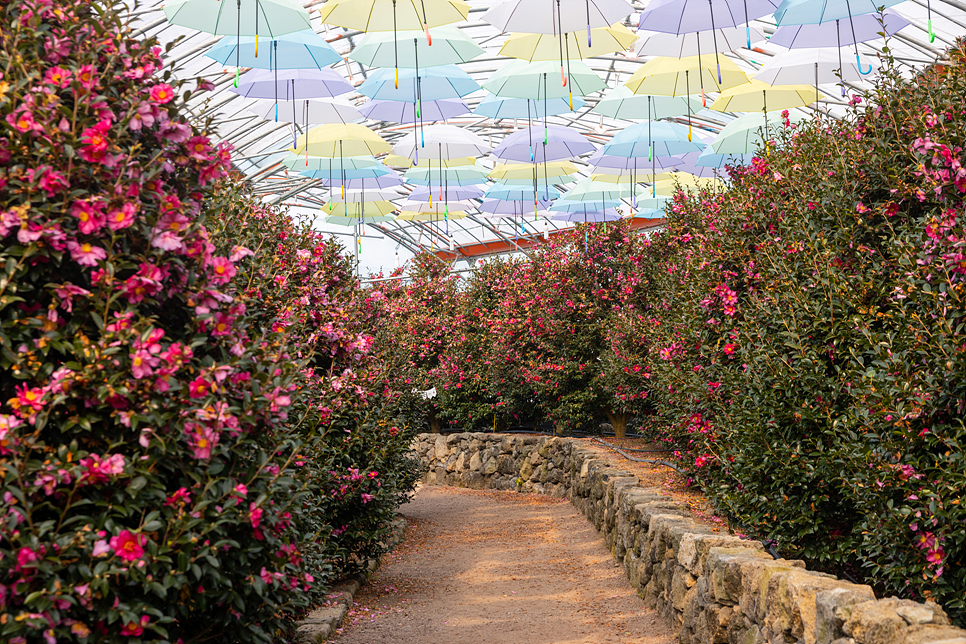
(223, 324)
(128, 545)
(86, 254)
(254, 514)
(52, 181)
(30, 397)
(223, 270)
(58, 77)
(935, 556)
(91, 218)
(198, 148)
(7, 439)
(729, 349)
(142, 364)
(179, 497)
(162, 93)
(26, 558)
(98, 469)
(95, 142)
(101, 548)
(199, 387)
(87, 76)
(122, 217)
(277, 399)
(132, 629)
(701, 460)
(202, 440)
(23, 122)
(241, 490)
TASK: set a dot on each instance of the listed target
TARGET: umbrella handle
(429, 38)
(588, 34)
(256, 41)
(719, 73)
(397, 78)
(704, 99)
(858, 62)
(563, 77)
(236, 78)
(571, 100)
(747, 37)
(932, 34)
(276, 112)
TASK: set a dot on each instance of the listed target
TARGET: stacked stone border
(712, 588)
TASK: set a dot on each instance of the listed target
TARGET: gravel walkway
(499, 568)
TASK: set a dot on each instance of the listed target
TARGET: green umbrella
(433, 174)
(622, 103)
(520, 79)
(297, 162)
(746, 133)
(272, 18)
(450, 46)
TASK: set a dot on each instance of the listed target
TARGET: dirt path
(499, 568)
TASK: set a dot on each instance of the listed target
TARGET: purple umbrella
(292, 84)
(589, 216)
(456, 193)
(827, 34)
(385, 181)
(607, 162)
(540, 144)
(400, 112)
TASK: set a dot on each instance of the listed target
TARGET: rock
(933, 634)
(312, 633)
(793, 607)
(875, 622)
(832, 609)
(475, 461)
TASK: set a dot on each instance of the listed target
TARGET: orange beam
(497, 246)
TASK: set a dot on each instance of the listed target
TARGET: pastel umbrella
(299, 50)
(539, 47)
(650, 213)
(651, 139)
(358, 209)
(314, 111)
(441, 142)
(692, 44)
(513, 171)
(519, 193)
(349, 222)
(272, 18)
(428, 84)
(744, 135)
(410, 215)
(456, 176)
(587, 190)
(622, 103)
(531, 16)
(758, 96)
(588, 216)
(436, 206)
(397, 161)
(341, 176)
(389, 15)
(864, 27)
(811, 66)
(562, 205)
(520, 79)
(365, 196)
(815, 12)
(628, 178)
(654, 203)
(339, 140)
(297, 162)
(548, 143)
(710, 159)
(292, 84)
(450, 46)
(461, 193)
(382, 181)
(498, 107)
(399, 112)
(512, 207)
(607, 163)
(668, 187)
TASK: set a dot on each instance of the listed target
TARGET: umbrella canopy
(374, 194)
(461, 193)
(440, 207)
(531, 16)
(513, 171)
(682, 76)
(429, 84)
(338, 176)
(710, 159)
(529, 144)
(588, 216)
(512, 207)
(812, 66)
(496, 107)
(607, 163)
(292, 84)
(865, 27)
(382, 181)
(815, 12)
(587, 206)
(537, 47)
(520, 193)
(688, 16)
(300, 162)
(520, 79)
(308, 111)
(745, 135)
(457, 176)
(441, 142)
(339, 220)
(622, 103)
(653, 203)
(268, 18)
(390, 15)
(400, 112)
(338, 140)
(409, 215)
(357, 209)
(299, 50)
(683, 180)
(407, 48)
(587, 190)
(624, 178)
(657, 138)
(757, 96)
(692, 44)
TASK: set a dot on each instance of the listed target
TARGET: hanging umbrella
(519, 193)
(382, 181)
(654, 203)
(460, 193)
(533, 47)
(607, 163)
(450, 46)
(688, 163)
(393, 15)
(441, 142)
(444, 81)
(588, 216)
(339, 176)
(758, 96)
(626, 178)
(744, 135)
(812, 66)
(599, 205)
(298, 162)
(548, 143)
(496, 107)
(520, 79)
(681, 76)
(299, 50)
(512, 171)
(683, 180)
(292, 84)
(400, 112)
(315, 112)
(531, 16)
(356, 209)
(651, 139)
(710, 159)
(587, 190)
(650, 213)
(622, 103)
(409, 215)
(691, 44)
(338, 140)
(351, 222)
(436, 206)
(816, 12)
(457, 176)
(831, 34)
(500, 208)
(367, 194)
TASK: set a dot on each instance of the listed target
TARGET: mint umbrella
(459, 193)
(622, 103)
(746, 134)
(382, 181)
(511, 207)
(297, 162)
(520, 79)
(588, 215)
(383, 49)
(299, 50)
(587, 190)
(497, 107)
(517, 193)
(464, 175)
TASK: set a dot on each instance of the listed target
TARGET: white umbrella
(691, 44)
(532, 17)
(440, 207)
(441, 142)
(316, 111)
(811, 67)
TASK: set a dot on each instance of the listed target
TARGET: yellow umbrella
(340, 140)
(681, 76)
(393, 15)
(515, 171)
(408, 215)
(356, 209)
(540, 47)
(759, 96)
(686, 180)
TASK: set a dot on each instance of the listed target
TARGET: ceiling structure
(259, 145)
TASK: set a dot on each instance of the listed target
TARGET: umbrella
(441, 142)
(308, 111)
(456, 176)
(400, 112)
(829, 34)
(299, 50)
(622, 103)
(540, 47)
(588, 216)
(371, 195)
(668, 187)
(513, 171)
(758, 96)
(587, 190)
(341, 176)
(511, 207)
(358, 209)
(461, 193)
(518, 193)
(450, 46)
(381, 181)
(294, 161)
(531, 16)
(350, 222)
(520, 79)
(393, 15)
(584, 206)
(628, 178)
(272, 18)
(811, 66)
(650, 213)
(744, 135)
(496, 107)
(815, 12)
(410, 215)
(430, 84)
(340, 140)
(692, 44)
(651, 139)
(710, 159)
(292, 84)
(605, 163)
(547, 143)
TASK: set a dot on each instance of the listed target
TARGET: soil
(488, 567)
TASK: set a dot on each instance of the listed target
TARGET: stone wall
(713, 588)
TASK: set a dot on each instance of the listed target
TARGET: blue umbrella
(650, 139)
(519, 193)
(588, 216)
(382, 181)
(428, 84)
(299, 50)
(496, 107)
(710, 159)
(584, 206)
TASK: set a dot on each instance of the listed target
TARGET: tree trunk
(435, 424)
(619, 423)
